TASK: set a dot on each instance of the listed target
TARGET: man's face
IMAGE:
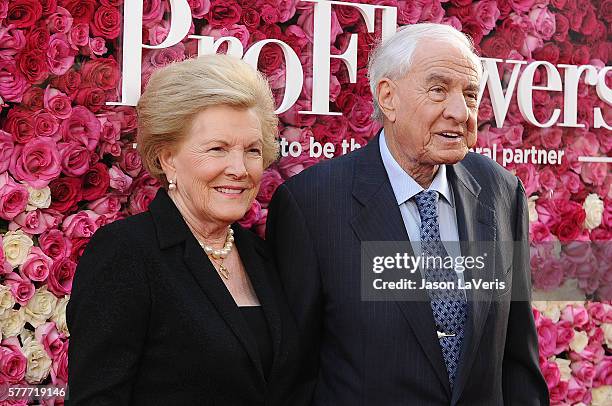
(434, 106)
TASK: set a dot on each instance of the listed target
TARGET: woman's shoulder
(132, 233)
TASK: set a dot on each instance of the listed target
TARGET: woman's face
(219, 165)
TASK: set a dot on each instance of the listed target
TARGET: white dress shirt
(405, 188)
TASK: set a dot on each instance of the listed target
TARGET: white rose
(39, 198)
(602, 396)
(40, 308)
(16, 246)
(564, 368)
(593, 207)
(550, 309)
(39, 363)
(13, 322)
(579, 342)
(7, 301)
(607, 329)
(533, 214)
(59, 316)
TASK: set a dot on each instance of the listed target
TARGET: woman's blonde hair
(179, 91)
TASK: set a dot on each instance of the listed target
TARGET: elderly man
(414, 182)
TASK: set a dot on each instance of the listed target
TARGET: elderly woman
(180, 305)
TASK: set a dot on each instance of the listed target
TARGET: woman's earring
(172, 184)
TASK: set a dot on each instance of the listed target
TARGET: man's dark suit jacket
(387, 353)
(152, 323)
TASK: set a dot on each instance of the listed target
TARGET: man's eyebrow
(436, 77)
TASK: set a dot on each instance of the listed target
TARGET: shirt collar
(403, 185)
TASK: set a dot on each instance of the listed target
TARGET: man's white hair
(392, 58)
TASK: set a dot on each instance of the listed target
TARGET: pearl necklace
(220, 254)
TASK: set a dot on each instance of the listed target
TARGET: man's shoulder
(487, 172)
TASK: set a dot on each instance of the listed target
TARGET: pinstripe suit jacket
(386, 353)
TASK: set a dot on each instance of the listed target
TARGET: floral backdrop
(68, 163)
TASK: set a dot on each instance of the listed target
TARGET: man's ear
(166, 161)
(385, 91)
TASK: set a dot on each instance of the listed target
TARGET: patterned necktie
(448, 306)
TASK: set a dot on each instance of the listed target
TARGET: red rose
(75, 158)
(81, 10)
(83, 127)
(55, 244)
(566, 50)
(69, 82)
(224, 13)
(20, 124)
(250, 18)
(48, 6)
(347, 15)
(45, 124)
(102, 73)
(558, 4)
(106, 22)
(271, 58)
(140, 199)
(269, 182)
(65, 194)
(561, 28)
(549, 52)
(78, 245)
(360, 117)
(33, 98)
(96, 182)
(581, 55)
(91, 97)
(33, 65)
(513, 33)
(38, 38)
(59, 281)
(496, 47)
(23, 13)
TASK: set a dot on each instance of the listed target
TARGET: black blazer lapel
(476, 223)
(172, 230)
(254, 256)
(380, 220)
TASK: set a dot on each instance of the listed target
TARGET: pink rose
(33, 222)
(600, 312)
(54, 244)
(576, 391)
(21, 287)
(529, 176)
(12, 41)
(485, 13)
(235, 30)
(37, 265)
(577, 315)
(140, 199)
(119, 180)
(270, 181)
(306, 21)
(539, 232)
(548, 179)
(13, 363)
(97, 46)
(199, 7)
(60, 21)
(583, 371)
(13, 197)
(594, 173)
(36, 163)
(12, 82)
(75, 158)
(82, 127)
(543, 22)
(60, 277)
(45, 125)
(603, 372)
(51, 340)
(60, 56)
(565, 333)
(59, 367)
(130, 162)
(551, 373)
(79, 35)
(157, 32)
(57, 103)
(547, 275)
(252, 215)
(81, 224)
(108, 205)
(289, 166)
(6, 150)
(153, 11)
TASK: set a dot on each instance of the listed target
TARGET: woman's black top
(256, 320)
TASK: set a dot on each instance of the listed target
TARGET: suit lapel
(171, 231)
(380, 220)
(475, 223)
(210, 282)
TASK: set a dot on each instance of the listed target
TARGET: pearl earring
(172, 184)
